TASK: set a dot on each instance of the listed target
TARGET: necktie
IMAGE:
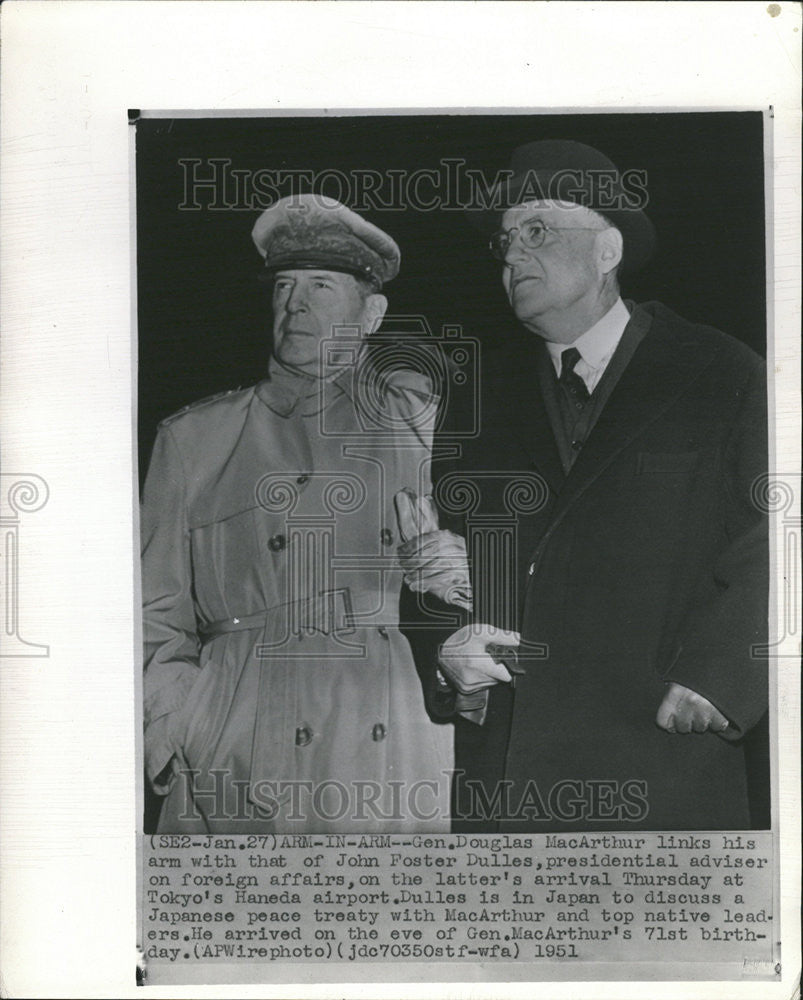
(570, 378)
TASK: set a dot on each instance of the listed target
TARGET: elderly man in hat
(279, 693)
(615, 687)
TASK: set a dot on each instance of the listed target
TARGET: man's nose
(297, 300)
(516, 251)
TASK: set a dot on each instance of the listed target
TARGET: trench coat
(278, 687)
(646, 564)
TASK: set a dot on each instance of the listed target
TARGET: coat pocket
(183, 726)
(670, 462)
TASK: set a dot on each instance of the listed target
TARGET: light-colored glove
(685, 711)
(465, 660)
(433, 560)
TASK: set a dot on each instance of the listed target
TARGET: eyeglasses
(532, 234)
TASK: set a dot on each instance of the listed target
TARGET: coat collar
(286, 392)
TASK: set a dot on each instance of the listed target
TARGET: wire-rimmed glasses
(532, 233)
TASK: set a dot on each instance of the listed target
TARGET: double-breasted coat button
(577, 445)
(303, 735)
(378, 733)
(383, 631)
(277, 543)
(386, 536)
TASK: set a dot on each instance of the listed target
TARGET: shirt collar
(597, 344)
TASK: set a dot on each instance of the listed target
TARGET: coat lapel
(526, 414)
(662, 368)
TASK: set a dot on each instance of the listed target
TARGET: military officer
(279, 693)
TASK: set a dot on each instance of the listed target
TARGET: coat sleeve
(171, 644)
(409, 397)
(429, 620)
(719, 654)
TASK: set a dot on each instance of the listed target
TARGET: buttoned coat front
(275, 674)
(645, 564)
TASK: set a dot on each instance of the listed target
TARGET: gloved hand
(434, 560)
(465, 660)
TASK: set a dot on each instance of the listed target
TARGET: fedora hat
(567, 171)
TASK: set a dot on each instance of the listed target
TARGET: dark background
(204, 318)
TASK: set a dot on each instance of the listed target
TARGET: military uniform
(271, 593)
(279, 693)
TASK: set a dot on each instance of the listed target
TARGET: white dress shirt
(596, 346)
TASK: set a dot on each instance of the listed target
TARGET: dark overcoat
(646, 564)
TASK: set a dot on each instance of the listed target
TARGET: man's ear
(376, 306)
(610, 248)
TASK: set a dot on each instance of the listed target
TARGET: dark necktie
(570, 378)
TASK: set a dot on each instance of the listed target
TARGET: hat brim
(311, 261)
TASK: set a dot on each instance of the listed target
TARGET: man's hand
(465, 660)
(436, 563)
(163, 781)
(685, 711)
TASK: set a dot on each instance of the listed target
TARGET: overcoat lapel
(663, 367)
(528, 419)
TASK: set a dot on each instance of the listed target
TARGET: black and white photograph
(399, 527)
(454, 448)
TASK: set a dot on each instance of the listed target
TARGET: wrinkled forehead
(555, 212)
(302, 274)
